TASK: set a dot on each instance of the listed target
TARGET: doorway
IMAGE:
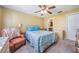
(72, 26)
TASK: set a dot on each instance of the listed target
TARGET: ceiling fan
(45, 9)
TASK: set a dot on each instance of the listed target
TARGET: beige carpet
(64, 46)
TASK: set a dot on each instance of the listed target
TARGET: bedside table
(43, 29)
(50, 29)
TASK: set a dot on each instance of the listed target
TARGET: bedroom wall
(12, 18)
(60, 21)
(0, 18)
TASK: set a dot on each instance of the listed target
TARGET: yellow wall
(13, 18)
(0, 18)
(60, 21)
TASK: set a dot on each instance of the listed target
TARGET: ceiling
(30, 9)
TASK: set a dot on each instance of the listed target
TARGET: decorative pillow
(33, 28)
(37, 28)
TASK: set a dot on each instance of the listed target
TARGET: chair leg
(11, 49)
(25, 42)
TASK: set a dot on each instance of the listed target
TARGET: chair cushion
(11, 45)
(17, 40)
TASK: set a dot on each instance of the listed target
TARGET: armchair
(16, 40)
(16, 43)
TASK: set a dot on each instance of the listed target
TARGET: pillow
(37, 28)
(33, 28)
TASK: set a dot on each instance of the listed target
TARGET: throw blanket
(40, 40)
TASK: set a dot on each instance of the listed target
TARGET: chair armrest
(21, 36)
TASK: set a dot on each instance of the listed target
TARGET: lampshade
(20, 25)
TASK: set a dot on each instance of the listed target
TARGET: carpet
(64, 46)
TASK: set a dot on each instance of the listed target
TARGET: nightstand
(50, 29)
(43, 29)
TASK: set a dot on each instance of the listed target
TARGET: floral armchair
(16, 40)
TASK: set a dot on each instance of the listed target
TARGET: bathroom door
(72, 26)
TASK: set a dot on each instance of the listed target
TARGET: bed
(40, 39)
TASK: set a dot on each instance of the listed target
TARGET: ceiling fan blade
(52, 7)
(49, 12)
(40, 6)
(44, 6)
(60, 11)
(37, 11)
(41, 14)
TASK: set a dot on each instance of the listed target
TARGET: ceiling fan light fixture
(42, 12)
(45, 11)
